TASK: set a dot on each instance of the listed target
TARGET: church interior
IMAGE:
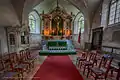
(59, 39)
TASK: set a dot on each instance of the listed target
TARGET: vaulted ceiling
(48, 6)
(12, 12)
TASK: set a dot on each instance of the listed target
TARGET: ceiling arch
(48, 6)
(18, 7)
(8, 15)
(18, 10)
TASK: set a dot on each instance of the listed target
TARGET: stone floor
(41, 59)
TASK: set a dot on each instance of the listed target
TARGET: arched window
(81, 24)
(32, 23)
(114, 13)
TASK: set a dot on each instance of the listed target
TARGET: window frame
(80, 21)
(30, 23)
(12, 39)
(114, 23)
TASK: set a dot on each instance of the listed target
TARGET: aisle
(57, 68)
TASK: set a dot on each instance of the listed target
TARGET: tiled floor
(41, 59)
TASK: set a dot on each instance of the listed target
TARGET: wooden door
(97, 35)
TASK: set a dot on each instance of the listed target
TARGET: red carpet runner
(57, 68)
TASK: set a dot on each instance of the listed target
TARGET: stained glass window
(32, 23)
(117, 18)
(114, 15)
(81, 24)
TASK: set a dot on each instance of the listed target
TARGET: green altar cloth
(58, 47)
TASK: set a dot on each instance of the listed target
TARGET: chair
(5, 71)
(90, 62)
(31, 54)
(81, 58)
(115, 67)
(102, 70)
(29, 58)
(23, 59)
(17, 65)
(118, 74)
(1, 66)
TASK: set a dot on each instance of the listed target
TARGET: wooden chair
(81, 58)
(32, 55)
(23, 59)
(115, 67)
(5, 71)
(30, 58)
(26, 58)
(6, 62)
(17, 65)
(102, 70)
(90, 62)
(1, 66)
(118, 74)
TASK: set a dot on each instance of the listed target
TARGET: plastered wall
(3, 40)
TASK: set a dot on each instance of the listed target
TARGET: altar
(56, 24)
(58, 47)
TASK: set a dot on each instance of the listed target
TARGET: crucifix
(57, 20)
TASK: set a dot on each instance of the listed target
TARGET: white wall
(3, 39)
(35, 40)
(8, 16)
